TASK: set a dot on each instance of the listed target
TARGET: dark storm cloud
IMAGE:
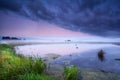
(99, 17)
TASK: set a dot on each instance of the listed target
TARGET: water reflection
(60, 49)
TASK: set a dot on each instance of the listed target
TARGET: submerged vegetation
(117, 59)
(101, 55)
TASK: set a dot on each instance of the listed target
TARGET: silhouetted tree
(10, 38)
(14, 38)
(6, 38)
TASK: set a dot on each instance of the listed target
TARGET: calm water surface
(82, 55)
(61, 49)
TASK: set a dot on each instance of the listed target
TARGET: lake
(84, 55)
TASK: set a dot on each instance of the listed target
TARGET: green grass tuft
(12, 65)
(32, 76)
(71, 73)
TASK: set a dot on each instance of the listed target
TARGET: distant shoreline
(31, 42)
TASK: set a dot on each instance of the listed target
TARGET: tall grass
(32, 76)
(12, 65)
(71, 73)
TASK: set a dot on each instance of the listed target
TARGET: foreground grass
(33, 76)
(71, 73)
(16, 67)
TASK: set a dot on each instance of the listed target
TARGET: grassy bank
(18, 67)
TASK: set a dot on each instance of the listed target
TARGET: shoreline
(34, 42)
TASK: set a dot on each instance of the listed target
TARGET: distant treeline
(11, 38)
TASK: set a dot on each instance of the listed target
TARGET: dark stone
(101, 55)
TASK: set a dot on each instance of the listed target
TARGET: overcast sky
(60, 18)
